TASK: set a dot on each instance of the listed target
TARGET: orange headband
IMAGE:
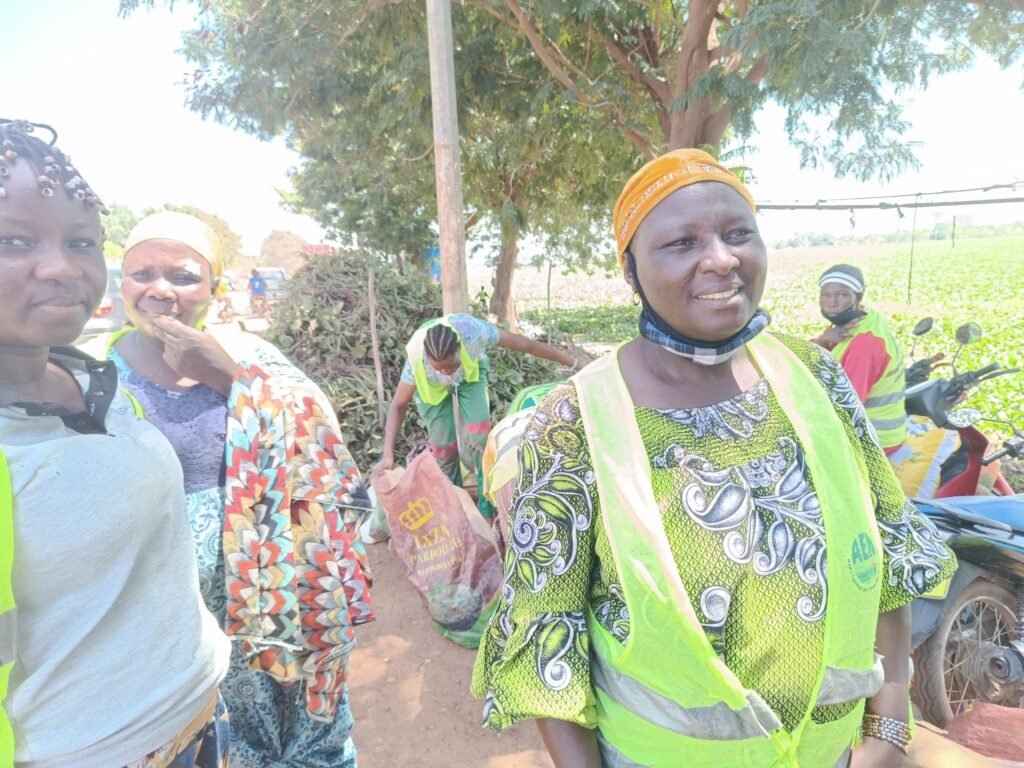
(657, 180)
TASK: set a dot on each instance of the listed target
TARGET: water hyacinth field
(980, 280)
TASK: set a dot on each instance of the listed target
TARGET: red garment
(865, 362)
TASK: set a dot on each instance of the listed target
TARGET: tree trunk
(687, 125)
(501, 300)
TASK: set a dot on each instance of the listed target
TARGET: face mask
(452, 379)
(844, 317)
(653, 328)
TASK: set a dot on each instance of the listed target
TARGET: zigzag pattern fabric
(297, 577)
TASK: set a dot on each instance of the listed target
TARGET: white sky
(112, 89)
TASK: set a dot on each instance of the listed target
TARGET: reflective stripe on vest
(429, 392)
(655, 710)
(717, 721)
(7, 611)
(884, 404)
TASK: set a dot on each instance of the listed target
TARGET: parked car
(109, 315)
(276, 278)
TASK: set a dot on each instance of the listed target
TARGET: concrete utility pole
(447, 167)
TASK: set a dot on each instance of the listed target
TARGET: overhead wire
(1014, 185)
(883, 205)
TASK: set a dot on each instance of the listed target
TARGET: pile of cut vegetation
(323, 325)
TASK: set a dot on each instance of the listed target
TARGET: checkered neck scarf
(656, 330)
(699, 351)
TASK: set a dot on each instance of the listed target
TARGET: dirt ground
(409, 690)
(409, 693)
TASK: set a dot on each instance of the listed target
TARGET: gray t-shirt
(115, 651)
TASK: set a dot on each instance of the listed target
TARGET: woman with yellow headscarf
(709, 552)
(274, 498)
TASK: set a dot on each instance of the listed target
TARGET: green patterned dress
(745, 530)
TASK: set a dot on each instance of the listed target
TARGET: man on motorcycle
(257, 292)
(869, 353)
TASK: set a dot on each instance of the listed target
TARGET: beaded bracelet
(888, 729)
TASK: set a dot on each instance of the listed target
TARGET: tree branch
(867, 18)
(718, 121)
(758, 71)
(500, 16)
(637, 139)
(416, 159)
(550, 54)
(715, 125)
(369, 9)
(658, 88)
(550, 60)
(692, 64)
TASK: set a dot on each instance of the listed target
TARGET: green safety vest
(885, 403)
(7, 613)
(429, 392)
(665, 698)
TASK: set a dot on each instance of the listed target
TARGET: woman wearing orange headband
(708, 546)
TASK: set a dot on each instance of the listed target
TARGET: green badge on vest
(864, 562)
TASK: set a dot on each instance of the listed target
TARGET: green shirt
(751, 562)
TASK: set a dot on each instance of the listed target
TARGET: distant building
(320, 249)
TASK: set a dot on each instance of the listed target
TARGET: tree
(118, 224)
(354, 98)
(283, 249)
(545, 86)
(669, 74)
(535, 164)
(229, 240)
(112, 252)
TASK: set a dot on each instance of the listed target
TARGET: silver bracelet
(887, 729)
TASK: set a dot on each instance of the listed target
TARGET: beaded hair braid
(441, 342)
(54, 168)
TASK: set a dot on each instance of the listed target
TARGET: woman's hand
(383, 465)
(892, 641)
(835, 335)
(875, 753)
(195, 355)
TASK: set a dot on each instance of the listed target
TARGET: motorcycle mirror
(968, 333)
(962, 418)
(922, 326)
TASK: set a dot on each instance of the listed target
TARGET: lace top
(194, 421)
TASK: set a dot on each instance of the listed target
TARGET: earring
(636, 298)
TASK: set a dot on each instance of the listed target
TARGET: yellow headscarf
(181, 228)
(657, 180)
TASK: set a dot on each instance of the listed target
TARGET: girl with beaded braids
(99, 594)
(445, 374)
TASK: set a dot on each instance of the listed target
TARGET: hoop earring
(636, 299)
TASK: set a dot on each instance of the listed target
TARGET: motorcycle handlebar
(975, 375)
(1012, 447)
(933, 398)
(995, 456)
(964, 381)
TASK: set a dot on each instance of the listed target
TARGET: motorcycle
(963, 473)
(259, 304)
(225, 309)
(969, 643)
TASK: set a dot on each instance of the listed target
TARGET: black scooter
(969, 644)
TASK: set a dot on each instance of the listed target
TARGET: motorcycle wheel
(941, 689)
